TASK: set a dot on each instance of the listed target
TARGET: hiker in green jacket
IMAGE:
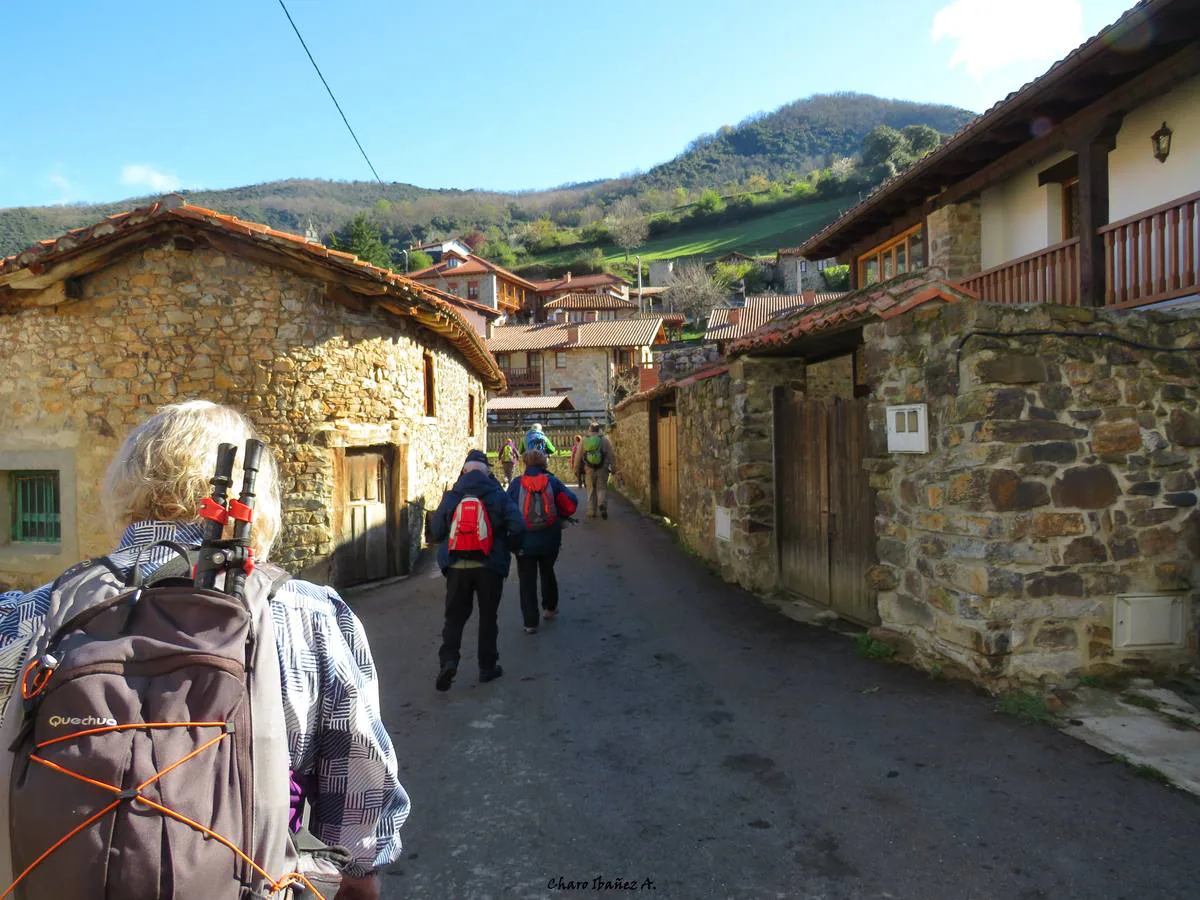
(599, 462)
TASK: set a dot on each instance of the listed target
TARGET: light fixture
(1161, 140)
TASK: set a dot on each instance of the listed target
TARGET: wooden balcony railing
(524, 379)
(1153, 255)
(1047, 276)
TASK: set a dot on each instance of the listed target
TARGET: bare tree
(692, 291)
(627, 225)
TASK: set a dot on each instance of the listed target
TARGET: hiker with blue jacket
(477, 526)
(544, 503)
(535, 439)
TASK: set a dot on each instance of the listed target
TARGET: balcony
(524, 379)
(1148, 257)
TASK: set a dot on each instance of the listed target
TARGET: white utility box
(724, 524)
(908, 428)
(1147, 621)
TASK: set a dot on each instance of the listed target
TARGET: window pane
(889, 265)
(916, 250)
(901, 258)
(872, 270)
(36, 516)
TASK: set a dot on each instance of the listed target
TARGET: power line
(330, 91)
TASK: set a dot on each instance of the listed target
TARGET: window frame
(885, 258)
(430, 382)
(22, 484)
(560, 359)
(470, 415)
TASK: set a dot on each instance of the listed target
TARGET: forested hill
(787, 144)
(796, 139)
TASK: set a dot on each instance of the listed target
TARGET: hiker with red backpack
(477, 526)
(172, 708)
(545, 503)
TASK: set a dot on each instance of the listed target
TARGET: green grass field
(760, 236)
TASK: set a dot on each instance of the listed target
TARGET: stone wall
(705, 449)
(630, 438)
(586, 378)
(676, 362)
(1062, 472)
(956, 239)
(164, 325)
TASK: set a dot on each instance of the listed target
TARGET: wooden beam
(1080, 126)
(1093, 210)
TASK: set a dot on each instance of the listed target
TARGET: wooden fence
(560, 438)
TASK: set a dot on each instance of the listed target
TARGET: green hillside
(758, 236)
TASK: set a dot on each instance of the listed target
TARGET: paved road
(669, 730)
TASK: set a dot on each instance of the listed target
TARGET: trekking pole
(213, 511)
(241, 510)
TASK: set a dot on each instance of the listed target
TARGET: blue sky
(113, 100)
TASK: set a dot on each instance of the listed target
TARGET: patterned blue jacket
(339, 747)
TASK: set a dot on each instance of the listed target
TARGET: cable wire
(330, 91)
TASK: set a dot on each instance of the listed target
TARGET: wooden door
(666, 470)
(824, 503)
(368, 534)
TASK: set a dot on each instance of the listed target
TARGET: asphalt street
(670, 736)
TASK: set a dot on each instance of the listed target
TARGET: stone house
(491, 291)
(1009, 489)
(795, 274)
(368, 386)
(1095, 205)
(590, 362)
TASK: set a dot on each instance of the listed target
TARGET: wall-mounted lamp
(1161, 140)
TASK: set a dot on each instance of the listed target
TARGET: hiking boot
(486, 675)
(529, 630)
(549, 613)
(603, 511)
(445, 678)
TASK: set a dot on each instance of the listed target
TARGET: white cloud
(990, 35)
(148, 176)
(66, 190)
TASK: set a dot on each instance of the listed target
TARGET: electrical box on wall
(724, 524)
(1148, 621)
(908, 428)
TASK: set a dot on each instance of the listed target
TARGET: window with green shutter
(36, 516)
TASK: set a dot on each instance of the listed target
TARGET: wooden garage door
(366, 555)
(824, 503)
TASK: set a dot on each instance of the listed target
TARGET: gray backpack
(152, 760)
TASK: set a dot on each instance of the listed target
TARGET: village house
(590, 362)
(794, 273)
(437, 248)
(478, 281)
(599, 283)
(368, 387)
(586, 307)
(1006, 488)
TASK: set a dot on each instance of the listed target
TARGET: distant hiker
(599, 461)
(544, 502)
(535, 439)
(477, 524)
(577, 460)
(186, 655)
(508, 460)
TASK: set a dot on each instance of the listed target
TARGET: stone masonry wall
(955, 238)
(705, 448)
(586, 378)
(630, 438)
(166, 325)
(1062, 471)
(677, 362)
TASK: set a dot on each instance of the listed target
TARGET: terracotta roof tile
(505, 404)
(584, 300)
(878, 301)
(428, 307)
(621, 333)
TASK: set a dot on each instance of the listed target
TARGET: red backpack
(537, 502)
(470, 528)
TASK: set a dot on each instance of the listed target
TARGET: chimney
(572, 334)
(735, 315)
(568, 276)
(809, 297)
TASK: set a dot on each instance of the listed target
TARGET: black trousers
(528, 570)
(463, 588)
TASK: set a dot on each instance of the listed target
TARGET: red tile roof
(474, 265)
(556, 336)
(575, 282)
(583, 300)
(1132, 31)
(878, 301)
(430, 308)
(758, 311)
(666, 387)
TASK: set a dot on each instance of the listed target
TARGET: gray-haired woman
(152, 493)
